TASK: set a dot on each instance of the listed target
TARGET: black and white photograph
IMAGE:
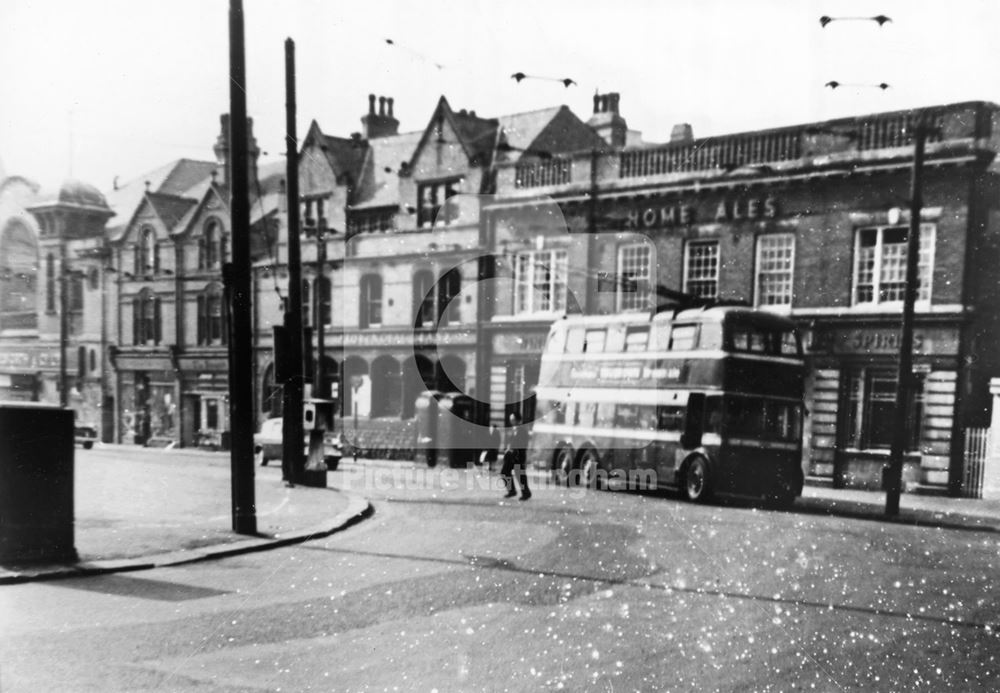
(463, 346)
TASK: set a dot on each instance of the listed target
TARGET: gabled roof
(476, 135)
(345, 155)
(379, 182)
(182, 177)
(554, 130)
(169, 208)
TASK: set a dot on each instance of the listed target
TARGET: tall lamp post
(893, 480)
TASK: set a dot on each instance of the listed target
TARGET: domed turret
(75, 192)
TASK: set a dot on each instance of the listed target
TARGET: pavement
(173, 507)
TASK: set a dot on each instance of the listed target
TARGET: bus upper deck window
(637, 338)
(615, 342)
(710, 335)
(759, 342)
(557, 341)
(594, 342)
(682, 337)
(574, 340)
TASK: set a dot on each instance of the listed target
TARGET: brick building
(810, 221)
(167, 246)
(396, 292)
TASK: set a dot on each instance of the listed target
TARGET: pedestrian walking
(515, 458)
(492, 448)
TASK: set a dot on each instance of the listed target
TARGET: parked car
(85, 435)
(267, 444)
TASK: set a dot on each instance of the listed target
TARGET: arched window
(147, 256)
(449, 288)
(423, 299)
(146, 318)
(19, 276)
(212, 246)
(211, 316)
(371, 301)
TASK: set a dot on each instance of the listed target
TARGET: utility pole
(904, 376)
(63, 318)
(237, 281)
(319, 388)
(292, 433)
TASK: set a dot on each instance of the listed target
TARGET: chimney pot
(381, 105)
(597, 102)
(389, 102)
(371, 104)
(614, 97)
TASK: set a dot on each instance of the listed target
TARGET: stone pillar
(991, 476)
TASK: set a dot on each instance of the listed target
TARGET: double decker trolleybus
(708, 400)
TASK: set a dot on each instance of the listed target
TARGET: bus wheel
(697, 481)
(562, 467)
(590, 470)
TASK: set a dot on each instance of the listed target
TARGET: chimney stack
(222, 150)
(381, 124)
(607, 121)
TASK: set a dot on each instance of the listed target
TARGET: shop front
(148, 411)
(851, 402)
(204, 402)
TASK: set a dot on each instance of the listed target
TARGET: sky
(95, 90)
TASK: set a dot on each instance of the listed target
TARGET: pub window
(370, 314)
(880, 264)
(701, 269)
(871, 405)
(775, 257)
(540, 281)
(634, 275)
(431, 197)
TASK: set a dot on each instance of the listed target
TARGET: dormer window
(147, 255)
(431, 197)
